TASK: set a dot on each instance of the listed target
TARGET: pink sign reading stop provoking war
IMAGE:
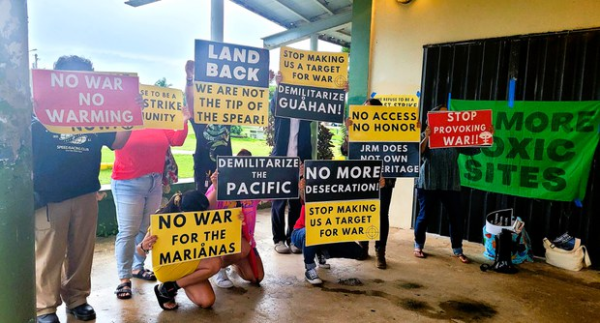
(460, 128)
(88, 99)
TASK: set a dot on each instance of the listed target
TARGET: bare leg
(233, 259)
(244, 269)
(201, 294)
(206, 268)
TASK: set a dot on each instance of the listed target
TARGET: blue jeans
(428, 202)
(298, 239)
(135, 199)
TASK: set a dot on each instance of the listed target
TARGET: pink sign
(460, 128)
(86, 99)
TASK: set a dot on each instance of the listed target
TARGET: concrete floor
(436, 289)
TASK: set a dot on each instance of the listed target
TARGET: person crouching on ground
(193, 275)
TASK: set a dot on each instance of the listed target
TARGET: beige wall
(400, 31)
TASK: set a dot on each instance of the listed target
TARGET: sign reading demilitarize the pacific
(257, 178)
(232, 84)
(86, 99)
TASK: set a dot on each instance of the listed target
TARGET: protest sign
(541, 150)
(163, 107)
(398, 100)
(312, 85)
(257, 178)
(85, 99)
(195, 235)
(230, 104)
(232, 84)
(342, 201)
(390, 134)
(460, 128)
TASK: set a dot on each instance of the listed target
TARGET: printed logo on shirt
(70, 140)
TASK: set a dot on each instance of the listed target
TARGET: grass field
(185, 162)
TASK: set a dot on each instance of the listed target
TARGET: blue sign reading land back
(231, 64)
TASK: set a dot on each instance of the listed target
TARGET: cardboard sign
(342, 221)
(379, 123)
(257, 178)
(195, 235)
(230, 104)
(163, 107)
(312, 68)
(399, 159)
(460, 128)
(310, 103)
(85, 99)
(231, 64)
(341, 180)
(394, 100)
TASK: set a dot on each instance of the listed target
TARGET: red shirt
(145, 152)
(300, 222)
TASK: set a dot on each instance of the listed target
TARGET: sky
(154, 40)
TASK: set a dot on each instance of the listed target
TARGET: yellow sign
(383, 124)
(195, 235)
(310, 68)
(162, 107)
(393, 100)
(226, 104)
(344, 221)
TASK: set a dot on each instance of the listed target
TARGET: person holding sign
(65, 182)
(439, 182)
(291, 139)
(137, 190)
(193, 275)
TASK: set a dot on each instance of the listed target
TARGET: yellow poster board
(343, 221)
(227, 104)
(395, 100)
(384, 124)
(195, 235)
(312, 68)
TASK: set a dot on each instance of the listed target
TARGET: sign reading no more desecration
(342, 201)
(542, 150)
(399, 159)
(195, 235)
(86, 99)
(460, 128)
(257, 178)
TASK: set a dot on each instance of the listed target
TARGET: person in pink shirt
(137, 190)
(247, 264)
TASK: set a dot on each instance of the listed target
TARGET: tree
(163, 82)
(324, 143)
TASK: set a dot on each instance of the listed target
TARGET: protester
(137, 190)
(212, 140)
(65, 180)
(384, 207)
(291, 139)
(193, 275)
(439, 182)
(248, 263)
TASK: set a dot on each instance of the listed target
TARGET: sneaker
(222, 280)
(280, 247)
(312, 277)
(295, 249)
(322, 261)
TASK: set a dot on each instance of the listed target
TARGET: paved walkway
(436, 289)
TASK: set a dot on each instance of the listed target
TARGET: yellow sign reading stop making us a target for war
(312, 68)
(383, 124)
(195, 235)
(343, 221)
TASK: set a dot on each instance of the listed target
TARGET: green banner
(541, 150)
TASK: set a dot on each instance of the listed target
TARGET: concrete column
(17, 297)
(314, 127)
(360, 51)
(216, 20)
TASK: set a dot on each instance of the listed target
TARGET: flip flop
(463, 258)
(419, 253)
(145, 274)
(162, 298)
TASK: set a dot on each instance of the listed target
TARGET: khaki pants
(65, 234)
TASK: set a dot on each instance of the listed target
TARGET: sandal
(165, 296)
(124, 291)
(145, 274)
(463, 258)
(419, 253)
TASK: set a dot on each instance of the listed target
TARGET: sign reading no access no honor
(257, 178)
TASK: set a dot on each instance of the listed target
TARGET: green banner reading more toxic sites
(541, 150)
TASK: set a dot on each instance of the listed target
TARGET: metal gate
(563, 66)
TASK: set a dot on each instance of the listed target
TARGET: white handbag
(574, 260)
